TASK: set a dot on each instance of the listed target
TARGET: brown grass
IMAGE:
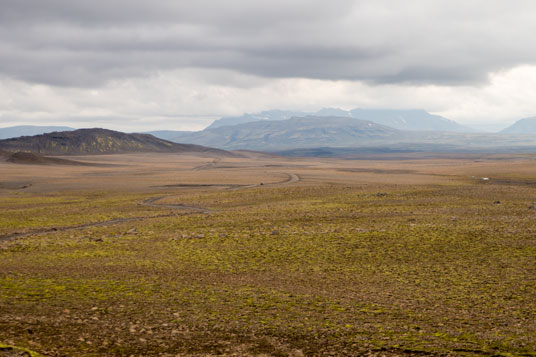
(372, 257)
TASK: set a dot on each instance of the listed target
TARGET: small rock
(275, 233)
(132, 231)
(222, 235)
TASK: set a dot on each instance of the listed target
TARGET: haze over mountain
(270, 131)
(522, 126)
(100, 141)
(28, 130)
(325, 131)
(265, 115)
(416, 119)
(292, 133)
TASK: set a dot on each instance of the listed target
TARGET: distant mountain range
(335, 131)
(29, 130)
(314, 132)
(100, 141)
(292, 133)
(416, 119)
(272, 131)
(280, 129)
(522, 126)
(266, 115)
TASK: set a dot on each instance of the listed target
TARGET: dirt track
(152, 202)
(14, 236)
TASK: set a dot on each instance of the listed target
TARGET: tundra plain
(177, 255)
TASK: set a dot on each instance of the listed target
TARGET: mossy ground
(318, 269)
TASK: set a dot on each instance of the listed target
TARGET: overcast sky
(172, 64)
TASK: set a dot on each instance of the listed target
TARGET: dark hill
(100, 141)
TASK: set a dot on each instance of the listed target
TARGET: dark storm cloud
(86, 43)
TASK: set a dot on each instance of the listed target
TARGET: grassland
(357, 258)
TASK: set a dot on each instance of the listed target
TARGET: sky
(178, 65)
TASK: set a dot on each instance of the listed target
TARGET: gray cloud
(87, 43)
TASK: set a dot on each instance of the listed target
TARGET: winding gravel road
(152, 202)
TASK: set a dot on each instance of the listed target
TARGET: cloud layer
(216, 51)
(79, 43)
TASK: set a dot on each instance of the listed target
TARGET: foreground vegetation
(290, 270)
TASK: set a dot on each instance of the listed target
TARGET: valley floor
(183, 255)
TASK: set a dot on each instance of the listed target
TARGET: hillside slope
(270, 115)
(99, 141)
(308, 131)
(338, 132)
(522, 126)
(29, 158)
(414, 119)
